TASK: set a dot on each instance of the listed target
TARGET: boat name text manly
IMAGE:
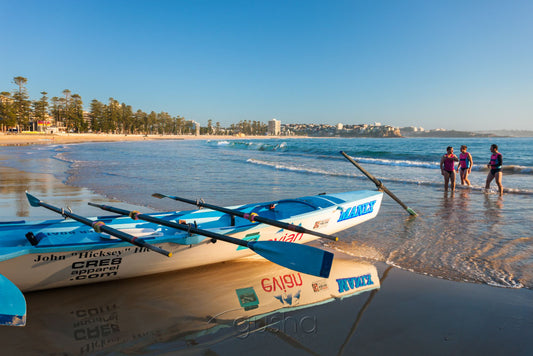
(357, 210)
(346, 284)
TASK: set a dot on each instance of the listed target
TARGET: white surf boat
(78, 250)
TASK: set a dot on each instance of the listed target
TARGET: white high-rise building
(274, 127)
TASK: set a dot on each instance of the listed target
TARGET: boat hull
(71, 257)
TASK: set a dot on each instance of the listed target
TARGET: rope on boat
(199, 203)
(97, 225)
(250, 217)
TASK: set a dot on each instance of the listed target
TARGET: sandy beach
(411, 314)
(37, 138)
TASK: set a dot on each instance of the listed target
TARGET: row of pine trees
(18, 111)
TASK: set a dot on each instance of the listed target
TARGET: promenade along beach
(456, 279)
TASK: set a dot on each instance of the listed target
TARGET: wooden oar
(252, 217)
(378, 183)
(12, 304)
(98, 226)
(301, 258)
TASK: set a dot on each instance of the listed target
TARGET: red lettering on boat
(282, 283)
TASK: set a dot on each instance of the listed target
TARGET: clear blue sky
(465, 64)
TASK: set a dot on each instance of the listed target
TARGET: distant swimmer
(447, 167)
(465, 165)
(495, 165)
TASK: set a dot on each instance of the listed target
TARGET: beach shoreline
(43, 139)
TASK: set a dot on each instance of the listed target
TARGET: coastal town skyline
(20, 113)
(450, 65)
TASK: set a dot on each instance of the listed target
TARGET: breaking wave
(418, 181)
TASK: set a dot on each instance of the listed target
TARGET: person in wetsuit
(447, 167)
(495, 165)
(465, 164)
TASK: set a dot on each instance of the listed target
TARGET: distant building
(196, 128)
(274, 127)
(340, 126)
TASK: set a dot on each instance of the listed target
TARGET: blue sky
(465, 65)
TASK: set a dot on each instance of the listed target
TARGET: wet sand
(14, 204)
(410, 314)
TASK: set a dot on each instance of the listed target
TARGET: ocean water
(467, 235)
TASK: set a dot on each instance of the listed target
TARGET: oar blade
(33, 200)
(12, 304)
(301, 258)
(411, 211)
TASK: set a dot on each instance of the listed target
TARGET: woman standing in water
(447, 167)
(495, 165)
(465, 163)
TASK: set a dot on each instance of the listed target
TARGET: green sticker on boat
(247, 298)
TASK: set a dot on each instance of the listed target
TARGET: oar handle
(251, 217)
(370, 176)
(378, 183)
(98, 226)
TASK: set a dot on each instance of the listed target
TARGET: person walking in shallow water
(465, 165)
(447, 168)
(495, 165)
